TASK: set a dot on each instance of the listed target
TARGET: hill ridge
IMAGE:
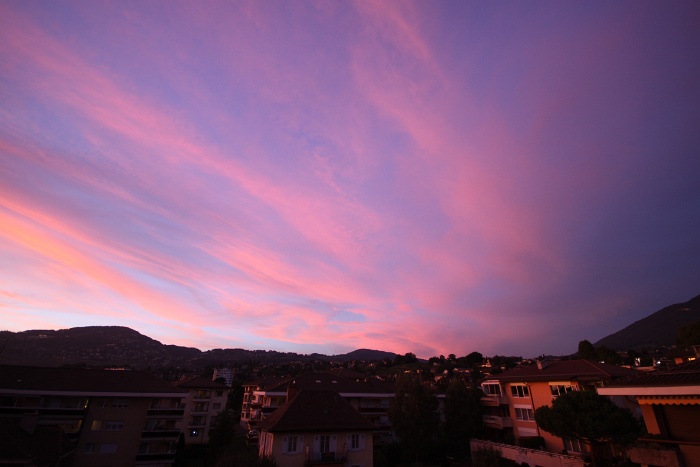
(658, 329)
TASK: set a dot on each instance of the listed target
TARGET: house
(205, 400)
(670, 404)
(316, 427)
(510, 399)
(108, 417)
(370, 398)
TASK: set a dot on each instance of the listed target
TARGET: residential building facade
(109, 417)
(670, 404)
(205, 400)
(316, 427)
(511, 398)
(370, 398)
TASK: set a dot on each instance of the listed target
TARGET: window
(219, 393)
(520, 390)
(574, 445)
(524, 414)
(356, 441)
(201, 407)
(559, 389)
(120, 403)
(325, 443)
(95, 448)
(108, 448)
(111, 425)
(199, 420)
(491, 389)
(217, 406)
(114, 425)
(291, 444)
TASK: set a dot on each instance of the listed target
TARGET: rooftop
(26, 378)
(330, 382)
(574, 370)
(315, 410)
(200, 382)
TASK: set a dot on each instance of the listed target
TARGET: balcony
(494, 400)
(328, 459)
(160, 434)
(156, 412)
(376, 410)
(495, 421)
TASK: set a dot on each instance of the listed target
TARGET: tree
(586, 350)
(414, 416)
(463, 411)
(590, 417)
(688, 335)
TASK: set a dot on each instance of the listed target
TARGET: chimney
(542, 364)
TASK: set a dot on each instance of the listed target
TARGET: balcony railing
(494, 400)
(326, 458)
(495, 421)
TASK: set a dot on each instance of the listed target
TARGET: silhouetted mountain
(366, 355)
(122, 346)
(658, 329)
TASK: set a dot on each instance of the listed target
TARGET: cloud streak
(324, 177)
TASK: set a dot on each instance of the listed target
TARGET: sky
(429, 177)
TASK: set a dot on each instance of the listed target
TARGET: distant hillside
(121, 346)
(658, 329)
(366, 355)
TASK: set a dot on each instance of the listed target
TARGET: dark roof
(687, 374)
(315, 410)
(347, 373)
(26, 378)
(331, 382)
(200, 382)
(574, 370)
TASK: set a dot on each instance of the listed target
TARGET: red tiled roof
(574, 370)
(315, 410)
(687, 374)
(80, 380)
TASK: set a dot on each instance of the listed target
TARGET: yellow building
(316, 427)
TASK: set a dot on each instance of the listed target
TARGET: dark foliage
(414, 416)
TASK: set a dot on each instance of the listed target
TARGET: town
(594, 407)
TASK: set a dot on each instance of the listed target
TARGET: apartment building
(370, 398)
(511, 398)
(317, 427)
(106, 417)
(670, 404)
(204, 401)
(226, 374)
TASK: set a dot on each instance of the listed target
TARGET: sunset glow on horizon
(427, 177)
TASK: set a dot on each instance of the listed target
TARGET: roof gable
(315, 410)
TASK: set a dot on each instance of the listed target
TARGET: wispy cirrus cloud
(332, 176)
